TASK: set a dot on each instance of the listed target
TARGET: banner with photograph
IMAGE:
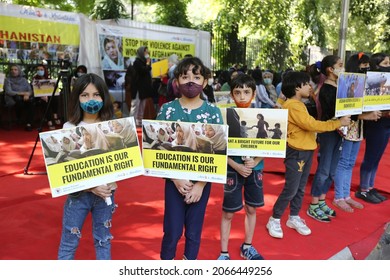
(29, 34)
(183, 150)
(223, 99)
(118, 47)
(83, 157)
(44, 87)
(349, 96)
(377, 92)
(256, 132)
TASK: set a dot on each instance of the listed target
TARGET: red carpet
(31, 219)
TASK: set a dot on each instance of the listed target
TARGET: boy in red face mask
(242, 174)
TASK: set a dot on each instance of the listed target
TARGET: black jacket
(143, 82)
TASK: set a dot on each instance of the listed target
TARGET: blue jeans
(76, 209)
(179, 215)
(330, 143)
(343, 176)
(377, 136)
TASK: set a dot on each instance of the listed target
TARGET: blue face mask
(267, 81)
(92, 106)
(41, 73)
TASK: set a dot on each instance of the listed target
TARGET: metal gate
(229, 49)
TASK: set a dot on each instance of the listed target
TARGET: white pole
(343, 29)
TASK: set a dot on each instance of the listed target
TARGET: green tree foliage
(284, 29)
(308, 14)
(173, 13)
(274, 33)
(370, 21)
(82, 6)
(109, 9)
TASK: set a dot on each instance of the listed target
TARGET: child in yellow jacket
(301, 143)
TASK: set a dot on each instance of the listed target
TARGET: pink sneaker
(354, 203)
(340, 203)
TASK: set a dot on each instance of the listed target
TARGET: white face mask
(147, 56)
(210, 82)
(337, 71)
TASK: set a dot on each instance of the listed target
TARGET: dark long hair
(328, 61)
(354, 61)
(375, 59)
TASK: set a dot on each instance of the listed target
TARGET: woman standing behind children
(89, 103)
(186, 201)
(242, 174)
(301, 143)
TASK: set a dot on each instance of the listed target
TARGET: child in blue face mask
(89, 103)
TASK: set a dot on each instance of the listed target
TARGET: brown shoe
(354, 203)
(340, 203)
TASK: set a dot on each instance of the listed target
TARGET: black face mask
(384, 69)
(364, 69)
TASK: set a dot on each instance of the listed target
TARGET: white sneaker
(274, 228)
(298, 224)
